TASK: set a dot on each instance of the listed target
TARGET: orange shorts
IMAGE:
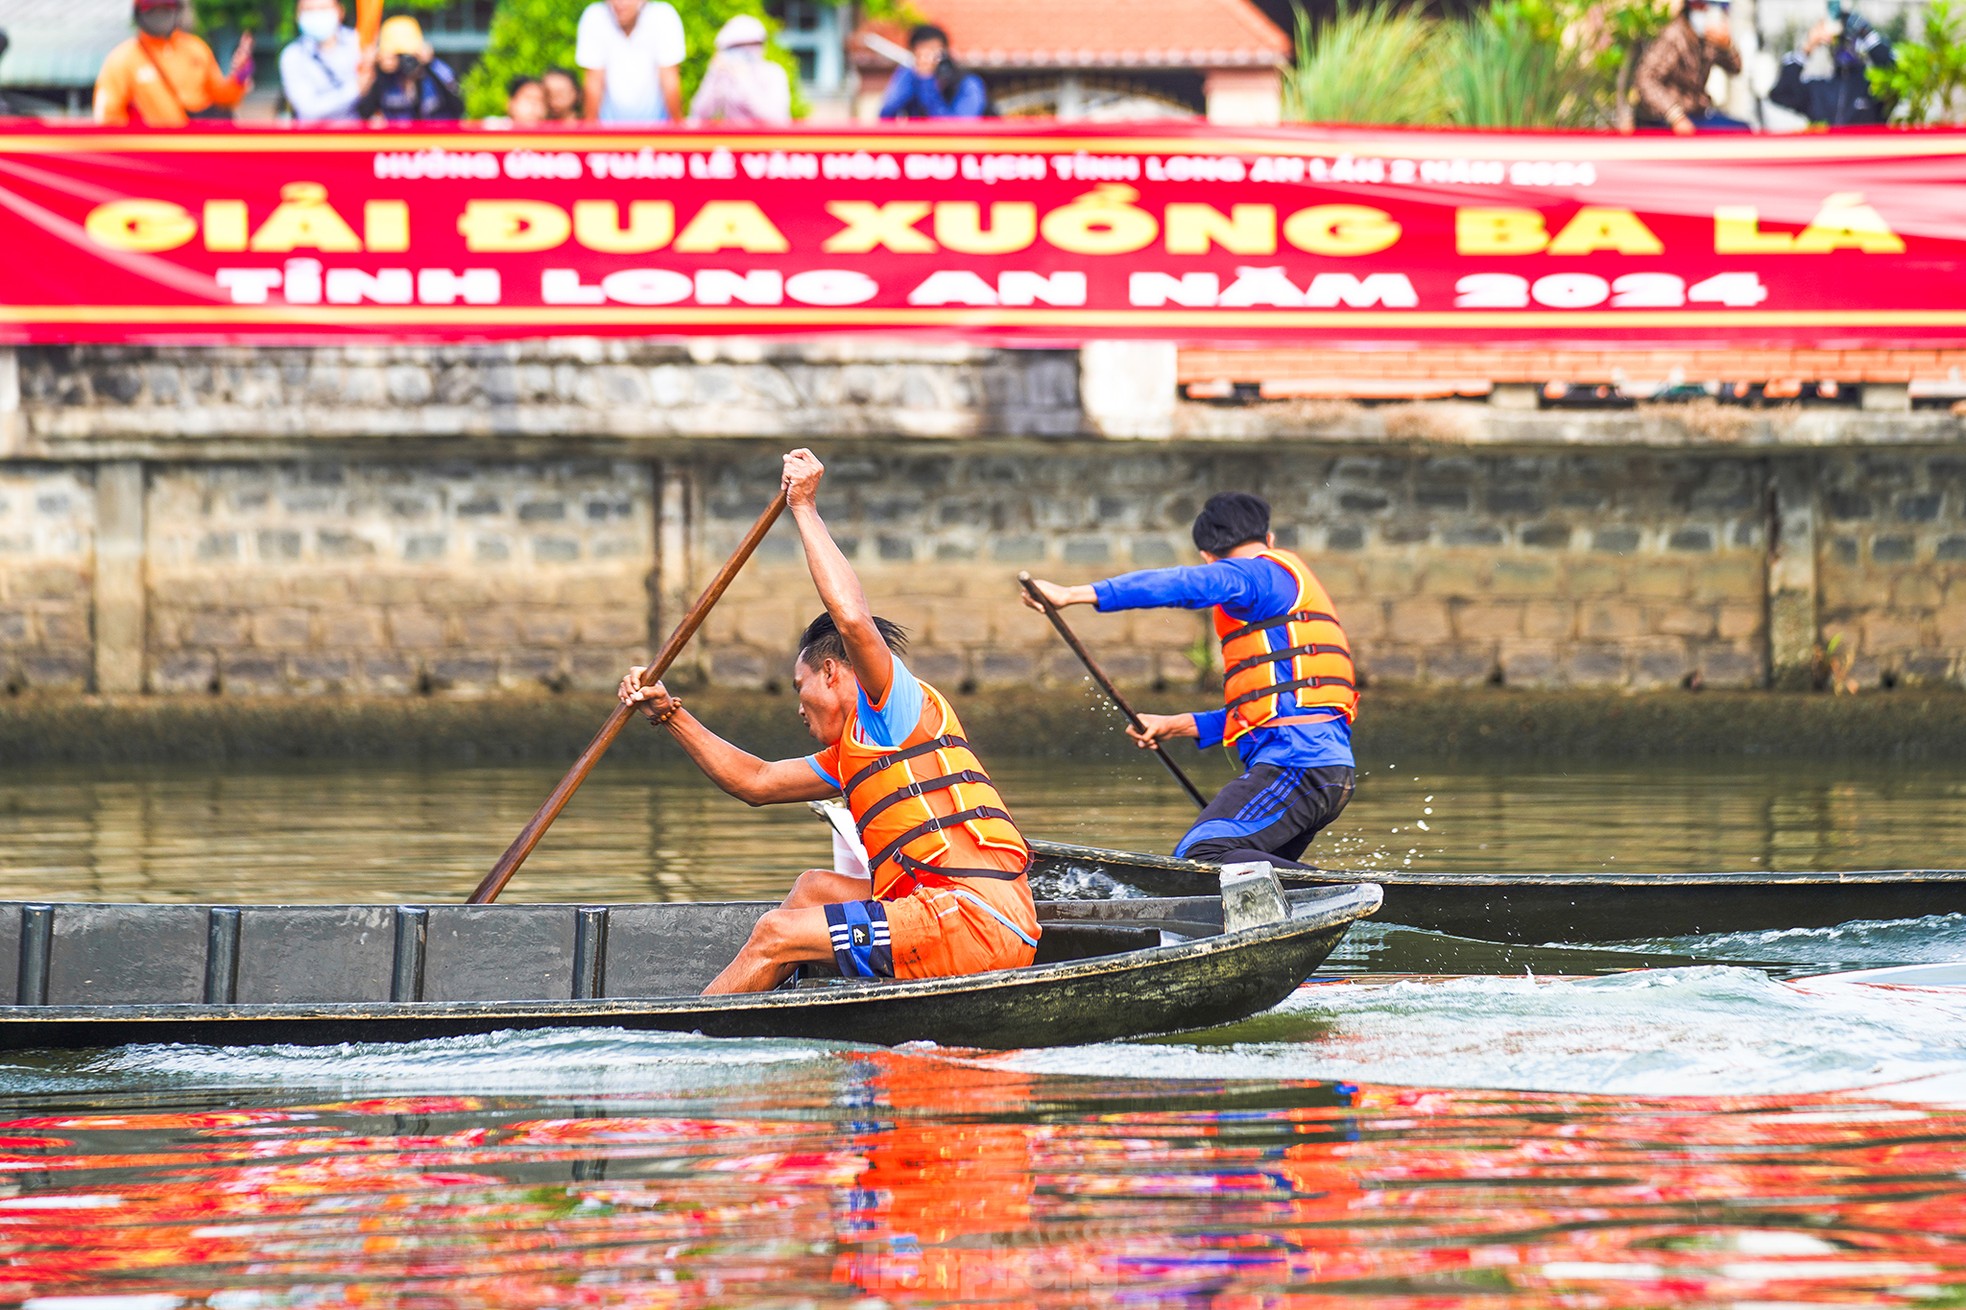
(937, 932)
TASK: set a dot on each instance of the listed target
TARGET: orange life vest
(1304, 653)
(924, 806)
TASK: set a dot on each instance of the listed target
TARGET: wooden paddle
(1105, 683)
(515, 854)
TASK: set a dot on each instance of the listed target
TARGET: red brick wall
(1470, 370)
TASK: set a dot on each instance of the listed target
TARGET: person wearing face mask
(1672, 77)
(164, 77)
(741, 85)
(404, 81)
(320, 70)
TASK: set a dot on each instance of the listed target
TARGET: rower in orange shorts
(946, 892)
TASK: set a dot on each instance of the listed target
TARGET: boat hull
(1564, 907)
(1527, 911)
(1213, 978)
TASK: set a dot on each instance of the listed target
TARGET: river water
(1541, 1128)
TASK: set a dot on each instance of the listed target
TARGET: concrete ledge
(574, 394)
(155, 402)
(1903, 726)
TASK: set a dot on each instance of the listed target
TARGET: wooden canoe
(94, 975)
(1552, 907)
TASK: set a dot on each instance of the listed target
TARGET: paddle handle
(1106, 683)
(515, 854)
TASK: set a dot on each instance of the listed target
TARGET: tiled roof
(1106, 33)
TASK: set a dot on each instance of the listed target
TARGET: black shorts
(1269, 813)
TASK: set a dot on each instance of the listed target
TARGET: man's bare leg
(782, 940)
(826, 887)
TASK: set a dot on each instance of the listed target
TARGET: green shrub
(1498, 70)
(272, 21)
(1930, 73)
(1369, 64)
(527, 36)
(1523, 63)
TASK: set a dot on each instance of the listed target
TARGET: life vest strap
(915, 789)
(915, 873)
(1279, 656)
(946, 741)
(1262, 625)
(1278, 689)
(937, 824)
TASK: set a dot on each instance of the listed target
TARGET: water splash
(593, 1060)
(1859, 944)
(1703, 1031)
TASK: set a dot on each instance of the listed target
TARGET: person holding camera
(1828, 80)
(937, 86)
(1672, 76)
(165, 77)
(403, 81)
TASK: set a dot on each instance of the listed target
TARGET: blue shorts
(862, 945)
(1269, 813)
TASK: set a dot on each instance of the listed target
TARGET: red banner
(996, 232)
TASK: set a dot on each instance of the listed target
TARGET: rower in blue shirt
(1290, 692)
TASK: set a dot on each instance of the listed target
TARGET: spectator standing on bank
(741, 85)
(937, 86)
(562, 90)
(406, 82)
(630, 54)
(525, 102)
(1672, 77)
(320, 70)
(1828, 81)
(163, 77)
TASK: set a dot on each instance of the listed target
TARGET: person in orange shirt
(162, 77)
(945, 892)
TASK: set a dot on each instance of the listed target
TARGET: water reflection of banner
(1047, 236)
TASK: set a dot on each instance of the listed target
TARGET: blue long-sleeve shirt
(910, 95)
(1249, 590)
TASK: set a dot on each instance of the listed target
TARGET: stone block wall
(531, 516)
(369, 577)
(1535, 571)
(1893, 566)
(47, 561)
(1558, 568)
